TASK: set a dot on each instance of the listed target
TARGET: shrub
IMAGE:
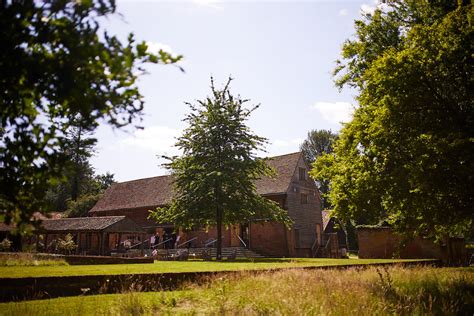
(5, 245)
(66, 245)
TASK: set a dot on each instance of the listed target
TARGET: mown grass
(15, 260)
(179, 266)
(372, 291)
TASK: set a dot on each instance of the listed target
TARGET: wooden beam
(102, 241)
(37, 241)
(119, 241)
(87, 248)
(78, 248)
(46, 242)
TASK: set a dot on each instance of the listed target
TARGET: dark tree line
(79, 188)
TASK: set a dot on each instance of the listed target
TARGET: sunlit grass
(372, 291)
(178, 266)
(14, 261)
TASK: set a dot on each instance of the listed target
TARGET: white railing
(210, 242)
(242, 241)
(184, 243)
(161, 243)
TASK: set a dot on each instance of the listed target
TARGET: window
(304, 198)
(302, 174)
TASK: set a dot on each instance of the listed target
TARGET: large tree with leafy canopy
(214, 178)
(57, 63)
(318, 143)
(407, 154)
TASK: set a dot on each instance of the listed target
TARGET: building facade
(292, 188)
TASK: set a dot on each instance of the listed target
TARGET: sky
(281, 55)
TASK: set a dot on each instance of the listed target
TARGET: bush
(66, 245)
(5, 245)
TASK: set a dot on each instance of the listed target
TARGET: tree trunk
(219, 233)
(75, 186)
(450, 259)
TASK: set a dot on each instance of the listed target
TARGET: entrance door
(245, 234)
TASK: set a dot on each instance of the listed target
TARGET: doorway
(245, 234)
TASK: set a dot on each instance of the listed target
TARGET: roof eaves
(92, 211)
(274, 193)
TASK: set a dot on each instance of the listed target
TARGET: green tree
(104, 181)
(57, 63)
(81, 206)
(79, 188)
(214, 177)
(407, 154)
(79, 148)
(317, 143)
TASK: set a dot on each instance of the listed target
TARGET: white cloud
(155, 47)
(158, 139)
(334, 112)
(343, 12)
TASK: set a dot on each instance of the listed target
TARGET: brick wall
(376, 243)
(202, 236)
(269, 238)
(381, 242)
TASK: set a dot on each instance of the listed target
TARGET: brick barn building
(291, 188)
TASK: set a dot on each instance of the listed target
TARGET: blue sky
(280, 53)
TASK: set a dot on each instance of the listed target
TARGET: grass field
(177, 266)
(372, 291)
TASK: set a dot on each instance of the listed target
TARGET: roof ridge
(69, 218)
(293, 153)
(169, 175)
(140, 179)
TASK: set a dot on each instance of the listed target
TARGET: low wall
(382, 243)
(75, 260)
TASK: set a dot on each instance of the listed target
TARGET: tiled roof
(157, 191)
(285, 167)
(81, 223)
(148, 192)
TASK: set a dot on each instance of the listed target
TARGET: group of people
(167, 241)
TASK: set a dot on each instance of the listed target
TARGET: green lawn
(178, 266)
(372, 291)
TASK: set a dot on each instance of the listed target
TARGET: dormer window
(302, 174)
